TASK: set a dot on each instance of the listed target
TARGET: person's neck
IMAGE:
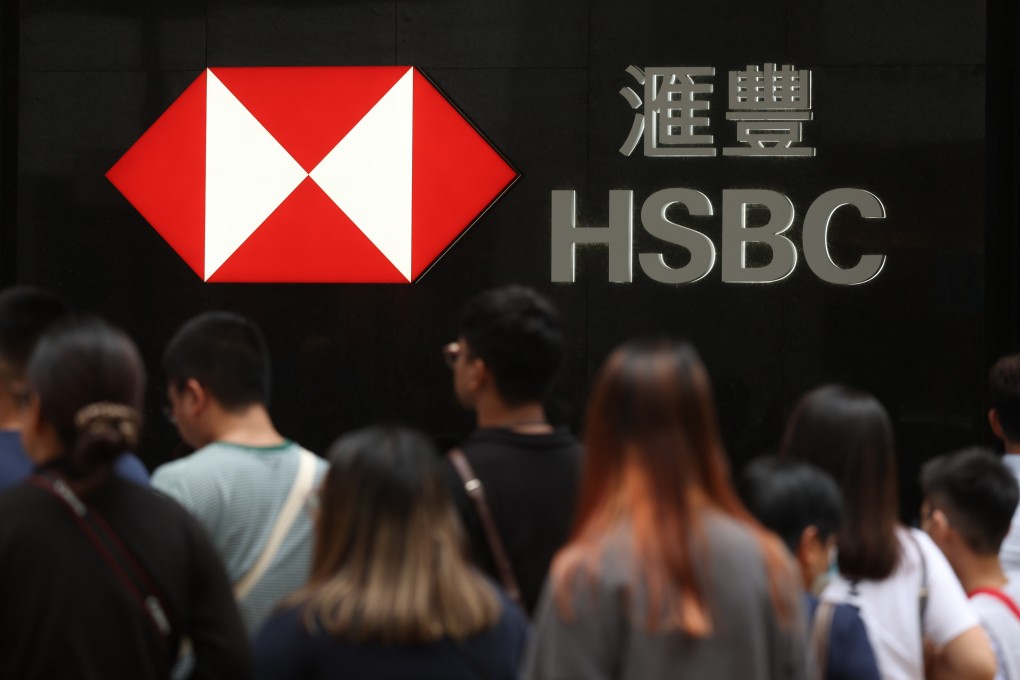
(1012, 447)
(251, 426)
(979, 571)
(526, 418)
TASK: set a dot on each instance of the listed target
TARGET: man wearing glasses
(509, 347)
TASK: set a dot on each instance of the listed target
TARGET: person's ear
(34, 431)
(993, 420)
(812, 554)
(940, 528)
(477, 373)
(194, 397)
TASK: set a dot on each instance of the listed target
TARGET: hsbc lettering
(770, 106)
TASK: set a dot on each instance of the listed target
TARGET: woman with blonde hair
(391, 594)
(666, 574)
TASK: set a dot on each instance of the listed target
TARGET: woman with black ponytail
(100, 577)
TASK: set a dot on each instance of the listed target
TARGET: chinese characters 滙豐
(768, 105)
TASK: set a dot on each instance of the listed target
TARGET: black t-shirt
(531, 483)
(65, 613)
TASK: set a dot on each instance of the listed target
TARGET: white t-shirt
(1003, 627)
(890, 608)
(1009, 553)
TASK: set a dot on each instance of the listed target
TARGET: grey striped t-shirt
(236, 492)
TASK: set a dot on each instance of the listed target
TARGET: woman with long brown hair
(900, 581)
(391, 594)
(666, 574)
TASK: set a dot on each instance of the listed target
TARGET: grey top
(603, 641)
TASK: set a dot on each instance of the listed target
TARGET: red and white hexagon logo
(337, 174)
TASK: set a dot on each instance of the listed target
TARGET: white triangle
(368, 174)
(247, 174)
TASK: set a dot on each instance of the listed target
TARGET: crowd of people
(637, 554)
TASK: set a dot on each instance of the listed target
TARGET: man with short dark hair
(510, 346)
(969, 500)
(25, 315)
(1004, 418)
(246, 483)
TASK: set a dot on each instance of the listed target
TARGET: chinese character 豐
(770, 107)
(673, 122)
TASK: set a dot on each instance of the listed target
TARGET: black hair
(226, 354)
(1004, 394)
(789, 497)
(90, 382)
(25, 314)
(978, 494)
(517, 333)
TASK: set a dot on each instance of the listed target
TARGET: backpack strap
(821, 632)
(923, 590)
(476, 492)
(1000, 596)
(302, 486)
(122, 562)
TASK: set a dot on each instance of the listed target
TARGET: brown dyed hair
(848, 434)
(388, 562)
(655, 463)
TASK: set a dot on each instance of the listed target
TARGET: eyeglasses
(451, 351)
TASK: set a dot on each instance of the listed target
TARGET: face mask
(822, 580)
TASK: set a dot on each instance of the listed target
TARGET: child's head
(801, 504)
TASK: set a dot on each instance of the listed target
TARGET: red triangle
(310, 109)
(163, 175)
(456, 175)
(308, 239)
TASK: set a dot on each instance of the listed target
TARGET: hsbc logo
(335, 174)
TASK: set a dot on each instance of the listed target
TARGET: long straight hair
(655, 463)
(848, 434)
(388, 562)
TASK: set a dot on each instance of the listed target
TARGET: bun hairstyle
(90, 381)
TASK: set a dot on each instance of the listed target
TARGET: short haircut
(789, 497)
(226, 354)
(517, 333)
(1004, 394)
(978, 494)
(25, 315)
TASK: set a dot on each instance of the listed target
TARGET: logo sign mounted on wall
(334, 174)
(769, 107)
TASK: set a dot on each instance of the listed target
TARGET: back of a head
(90, 382)
(848, 434)
(652, 407)
(226, 354)
(1004, 394)
(518, 334)
(788, 497)
(654, 459)
(25, 314)
(388, 562)
(978, 493)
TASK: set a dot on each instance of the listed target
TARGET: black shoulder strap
(107, 543)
